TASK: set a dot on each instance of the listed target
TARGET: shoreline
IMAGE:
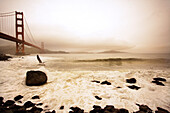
(11, 106)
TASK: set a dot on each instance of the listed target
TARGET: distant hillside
(110, 52)
(81, 52)
(28, 50)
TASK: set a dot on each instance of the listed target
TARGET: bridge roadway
(13, 39)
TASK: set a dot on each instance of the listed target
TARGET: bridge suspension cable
(7, 23)
(32, 38)
(7, 14)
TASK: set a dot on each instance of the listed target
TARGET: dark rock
(46, 106)
(62, 107)
(158, 83)
(4, 57)
(51, 112)
(95, 81)
(9, 103)
(18, 97)
(122, 110)
(134, 87)
(96, 109)
(19, 101)
(160, 79)
(17, 109)
(97, 97)
(29, 104)
(109, 108)
(35, 78)
(106, 82)
(144, 108)
(76, 110)
(139, 112)
(36, 97)
(1, 98)
(1, 101)
(131, 80)
(118, 87)
(6, 111)
(39, 104)
(36, 110)
(161, 110)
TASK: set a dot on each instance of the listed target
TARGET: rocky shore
(10, 106)
(17, 106)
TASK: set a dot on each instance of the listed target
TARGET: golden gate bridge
(14, 27)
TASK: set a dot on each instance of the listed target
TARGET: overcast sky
(97, 25)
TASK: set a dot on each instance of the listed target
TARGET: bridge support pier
(19, 23)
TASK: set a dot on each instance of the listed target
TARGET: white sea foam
(74, 88)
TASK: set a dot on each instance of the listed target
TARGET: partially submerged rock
(18, 97)
(108, 109)
(143, 109)
(96, 109)
(134, 87)
(39, 104)
(158, 83)
(76, 110)
(106, 82)
(161, 110)
(29, 104)
(35, 78)
(36, 97)
(97, 97)
(9, 103)
(95, 81)
(160, 79)
(10, 107)
(61, 107)
(4, 57)
(131, 80)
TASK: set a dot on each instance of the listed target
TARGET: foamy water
(73, 86)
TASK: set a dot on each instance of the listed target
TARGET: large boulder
(35, 78)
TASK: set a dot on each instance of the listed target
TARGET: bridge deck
(13, 39)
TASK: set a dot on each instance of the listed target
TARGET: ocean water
(70, 75)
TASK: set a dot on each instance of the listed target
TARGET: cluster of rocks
(132, 81)
(158, 81)
(102, 83)
(4, 57)
(10, 106)
(112, 109)
(146, 109)
(29, 107)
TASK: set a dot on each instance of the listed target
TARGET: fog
(97, 25)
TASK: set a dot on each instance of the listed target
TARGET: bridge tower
(19, 24)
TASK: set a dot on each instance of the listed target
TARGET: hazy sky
(97, 25)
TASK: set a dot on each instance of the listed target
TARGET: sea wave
(123, 59)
